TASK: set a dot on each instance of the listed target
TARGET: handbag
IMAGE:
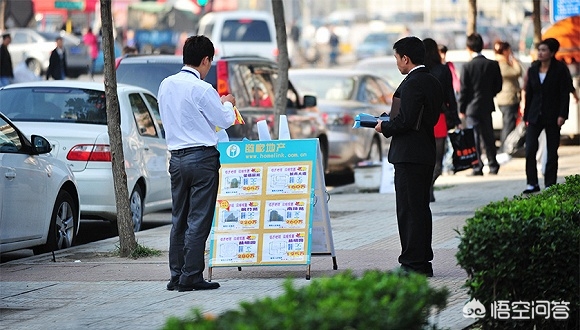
(464, 151)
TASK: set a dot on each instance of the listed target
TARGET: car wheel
(375, 151)
(63, 225)
(136, 205)
(34, 66)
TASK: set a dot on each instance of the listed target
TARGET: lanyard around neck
(193, 73)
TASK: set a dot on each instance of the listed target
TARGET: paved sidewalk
(87, 288)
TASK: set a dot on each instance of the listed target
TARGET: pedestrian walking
(412, 151)
(90, 39)
(547, 97)
(508, 99)
(6, 70)
(480, 82)
(455, 77)
(448, 117)
(333, 42)
(57, 62)
(191, 109)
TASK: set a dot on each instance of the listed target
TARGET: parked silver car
(72, 115)
(341, 95)
(34, 48)
(39, 199)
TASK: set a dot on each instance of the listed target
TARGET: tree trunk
(283, 62)
(127, 242)
(472, 17)
(2, 14)
(536, 16)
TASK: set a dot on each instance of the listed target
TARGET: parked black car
(250, 79)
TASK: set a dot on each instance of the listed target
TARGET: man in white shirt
(191, 109)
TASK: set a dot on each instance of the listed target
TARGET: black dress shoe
(172, 285)
(494, 170)
(407, 270)
(531, 189)
(203, 285)
(475, 173)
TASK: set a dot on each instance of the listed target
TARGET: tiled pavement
(87, 288)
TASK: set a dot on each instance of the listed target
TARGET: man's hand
(228, 98)
(378, 126)
(561, 121)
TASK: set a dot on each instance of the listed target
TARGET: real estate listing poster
(264, 207)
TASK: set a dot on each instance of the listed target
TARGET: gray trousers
(194, 187)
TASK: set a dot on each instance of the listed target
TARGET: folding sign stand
(271, 207)
(322, 241)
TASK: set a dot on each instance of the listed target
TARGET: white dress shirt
(191, 109)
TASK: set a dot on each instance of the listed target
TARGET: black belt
(190, 149)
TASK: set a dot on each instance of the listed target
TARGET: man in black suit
(480, 82)
(57, 62)
(412, 151)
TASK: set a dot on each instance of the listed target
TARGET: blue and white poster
(265, 203)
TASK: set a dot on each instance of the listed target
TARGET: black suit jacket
(56, 66)
(419, 90)
(5, 63)
(550, 98)
(480, 82)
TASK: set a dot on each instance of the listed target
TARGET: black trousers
(412, 185)
(483, 132)
(552, 143)
(194, 187)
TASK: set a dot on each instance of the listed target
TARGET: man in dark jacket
(412, 151)
(57, 62)
(480, 81)
(6, 72)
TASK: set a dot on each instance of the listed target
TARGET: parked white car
(39, 200)
(240, 32)
(72, 116)
(34, 47)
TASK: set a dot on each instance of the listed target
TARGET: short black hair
(474, 42)
(552, 43)
(6, 36)
(196, 48)
(412, 47)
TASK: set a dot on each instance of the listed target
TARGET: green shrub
(377, 300)
(526, 249)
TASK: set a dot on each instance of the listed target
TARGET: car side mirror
(41, 145)
(309, 101)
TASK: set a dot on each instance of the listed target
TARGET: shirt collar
(415, 68)
(192, 70)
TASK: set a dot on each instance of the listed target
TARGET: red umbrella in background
(567, 32)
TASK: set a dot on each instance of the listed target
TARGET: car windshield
(246, 30)
(67, 38)
(387, 70)
(325, 88)
(58, 104)
(149, 75)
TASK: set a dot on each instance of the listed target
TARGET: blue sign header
(561, 9)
